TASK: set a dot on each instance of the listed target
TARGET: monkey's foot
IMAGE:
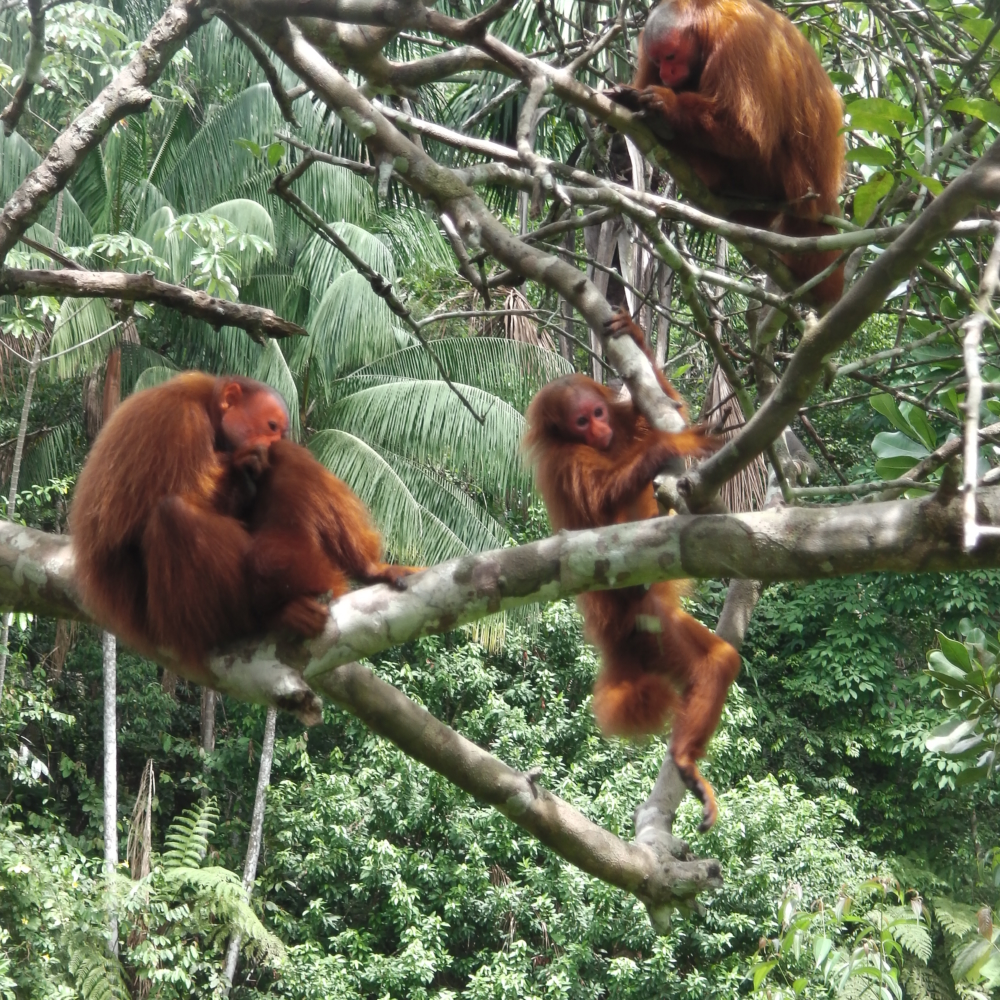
(702, 790)
(304, 615)
(394, 576)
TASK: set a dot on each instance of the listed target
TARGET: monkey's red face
(676, 55)
(251, 420)
(588, 421)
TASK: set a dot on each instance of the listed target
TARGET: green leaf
(931, 183)
(970, 958)
(867, 197)
(761, 970)
(972, 775)
(957, 652)
(916, 419)
(821, 948)
(869, 121)
(871, 156)
(977, 107)
(250, 146)
(945, 671)
(274, 153)
(885, 404)
(882, 107)
(944, 737)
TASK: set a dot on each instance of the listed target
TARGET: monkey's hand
(627, 97)
(655, 106)
(252, 460)
(621, 324)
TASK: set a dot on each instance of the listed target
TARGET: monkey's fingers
(394, 576)
(621, 324)
(702, 790)
(627, 97)
(252, 460)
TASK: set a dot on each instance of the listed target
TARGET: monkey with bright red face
(195, 522)
(745, 100)
(595, 458)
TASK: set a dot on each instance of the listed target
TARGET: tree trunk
(208, 700)
(256, 832)
(15, 473)
(110, 774)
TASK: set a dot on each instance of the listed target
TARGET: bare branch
(258, 321)
(267, 67)
(32, 68)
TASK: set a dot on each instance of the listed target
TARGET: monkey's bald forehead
(665, 17)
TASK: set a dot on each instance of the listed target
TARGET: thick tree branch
(258, 321)
(127, 94)
(658, 880)
(979, 183)
(904, 536)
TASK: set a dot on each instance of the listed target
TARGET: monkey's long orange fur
(758, 116)
(656, 659)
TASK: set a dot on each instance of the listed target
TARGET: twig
(974, 393)
(267, 67)
(380, 286)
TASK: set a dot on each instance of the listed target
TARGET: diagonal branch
(281, 96)
(258, 321)
(979, 183)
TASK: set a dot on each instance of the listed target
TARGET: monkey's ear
(231, 394)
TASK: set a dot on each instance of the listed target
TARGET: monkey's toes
(305, 615)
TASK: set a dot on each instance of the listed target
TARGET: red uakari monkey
(746, 101)
(595, 459)
(310, 535)
(165, 554)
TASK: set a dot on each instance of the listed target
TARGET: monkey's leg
(196, 590)
(288, 571)
(704, 666)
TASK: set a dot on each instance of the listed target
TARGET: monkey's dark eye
(599, 412)
(582, 421)
(272, 425)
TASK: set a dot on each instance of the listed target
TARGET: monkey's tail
(629, 701)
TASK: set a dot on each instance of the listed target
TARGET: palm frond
(86, 330)
(272, 370)
(351, 327)
(423, 518)
(154, 375)
(54, 453)
(426, 422)
(510, 369)
(212, 166)
(135, 360)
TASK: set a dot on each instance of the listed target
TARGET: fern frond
(187, 838)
